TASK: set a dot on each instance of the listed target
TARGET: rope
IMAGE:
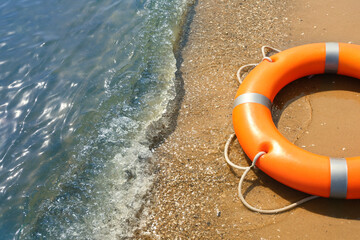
(271, 48)
(238, 74)
(226, 151)
(247, 169)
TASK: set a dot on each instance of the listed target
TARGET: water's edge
(159, 130)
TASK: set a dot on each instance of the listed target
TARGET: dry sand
(195, 195)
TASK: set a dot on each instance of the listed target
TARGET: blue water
(80, 83)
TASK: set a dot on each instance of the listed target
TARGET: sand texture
(195, 194)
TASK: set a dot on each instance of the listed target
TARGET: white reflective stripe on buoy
(339, 177)
(332, 57)
(253, 98)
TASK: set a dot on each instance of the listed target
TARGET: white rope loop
(238, 74)
(268, 47)
(265, 57)
(226, 153)
(247, 169)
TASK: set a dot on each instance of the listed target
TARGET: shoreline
(159, 130)
(195, 193)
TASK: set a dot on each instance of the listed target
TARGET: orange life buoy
(295, 167)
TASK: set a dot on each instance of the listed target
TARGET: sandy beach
(195, 193)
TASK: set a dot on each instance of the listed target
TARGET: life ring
(295, 167)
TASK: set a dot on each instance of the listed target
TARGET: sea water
(80, 84)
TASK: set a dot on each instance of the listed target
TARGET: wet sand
(195, 194)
